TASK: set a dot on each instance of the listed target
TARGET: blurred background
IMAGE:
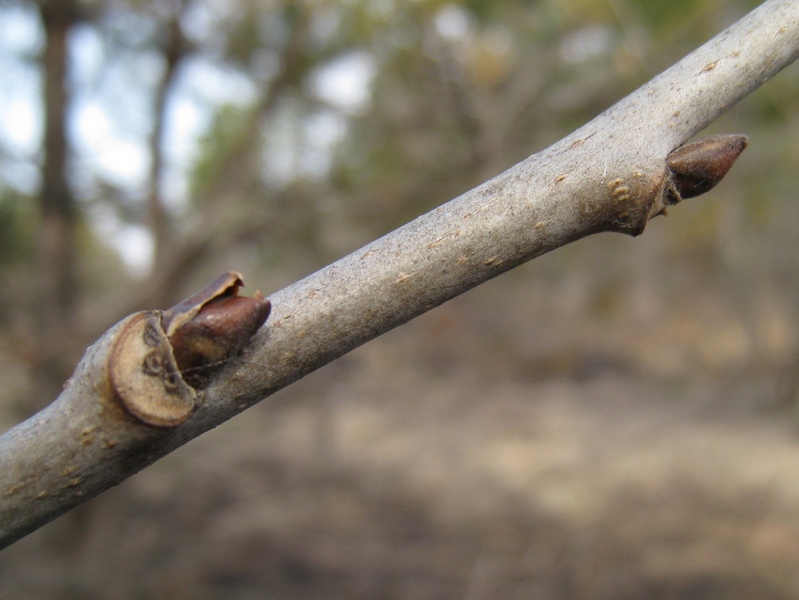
(616, 419)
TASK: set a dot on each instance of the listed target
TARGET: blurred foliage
(16, 227)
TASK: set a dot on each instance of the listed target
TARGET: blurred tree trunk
(58, 285)
(173, 49)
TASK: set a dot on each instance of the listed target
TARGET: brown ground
(428, 464)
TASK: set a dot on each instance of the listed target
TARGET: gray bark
(610, 175)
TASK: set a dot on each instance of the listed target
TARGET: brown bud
(697, 167)
(227, 284)
(159, 360)
(213, 325)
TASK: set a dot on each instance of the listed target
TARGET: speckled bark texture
(610, 175)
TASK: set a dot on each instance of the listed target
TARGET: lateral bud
(213, 325)
(160, 359)
(697, 167)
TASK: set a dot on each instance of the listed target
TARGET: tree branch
(610, 175)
